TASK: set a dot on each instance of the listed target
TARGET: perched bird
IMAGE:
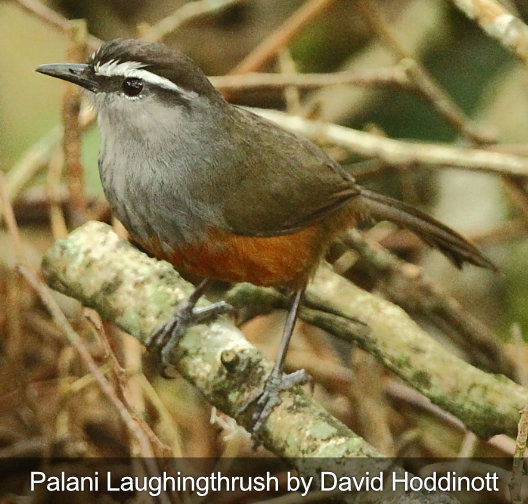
(220, 192)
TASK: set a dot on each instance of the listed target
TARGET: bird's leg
(167, 336)
(277, 380)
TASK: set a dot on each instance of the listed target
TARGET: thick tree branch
(487, 404)
(138, 293)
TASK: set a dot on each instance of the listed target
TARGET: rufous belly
(269, 261)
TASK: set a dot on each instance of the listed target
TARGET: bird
(222, 193)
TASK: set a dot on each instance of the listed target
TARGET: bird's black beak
(73, 72)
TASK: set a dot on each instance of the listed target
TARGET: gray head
(135, 69)
(138, 82)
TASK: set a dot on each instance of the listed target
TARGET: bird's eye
(132, 86)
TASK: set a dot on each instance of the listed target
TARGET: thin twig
(431, 92)
(423, 83)
(166, 422)
(515, 484)
(60, 319)
(399, 152)
(401, 392)
(510, 230)
(270, 46)
(32, 162)
(182, 15)
(391, 76)
(71, 106)
(37, 157)
(122, 382)
(118, 372)
(291, 93)
(59, 228)
(16, 335)
(9, 217)
(373, 413)
(53, 18)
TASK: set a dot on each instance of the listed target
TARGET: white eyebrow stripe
(113, 68)
(136, 69)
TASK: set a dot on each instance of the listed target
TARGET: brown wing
(284, 182)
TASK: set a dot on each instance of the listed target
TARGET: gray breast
(159, 175)
(148, 197)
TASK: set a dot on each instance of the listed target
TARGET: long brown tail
(454, 246)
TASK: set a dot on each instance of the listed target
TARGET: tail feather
(454, 246)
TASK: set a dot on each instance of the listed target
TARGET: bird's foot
(167, 336)
(269, 397)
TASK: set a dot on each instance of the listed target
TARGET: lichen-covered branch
(138, 293)
(488, 404)
(180, 16)
(408, 286)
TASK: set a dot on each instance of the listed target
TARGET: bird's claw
(269, 397)
(166, 337)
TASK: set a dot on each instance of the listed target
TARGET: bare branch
(54, 19)
(392, 76)
(182, 15)
(499, 23)
(139, 293)
(399, 152)
(278, 39)
(71, 106)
